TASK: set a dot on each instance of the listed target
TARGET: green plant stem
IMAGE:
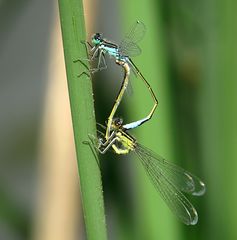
(83, 118)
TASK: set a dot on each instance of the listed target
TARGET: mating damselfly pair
(170, 180)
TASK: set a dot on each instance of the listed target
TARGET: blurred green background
(189, 57)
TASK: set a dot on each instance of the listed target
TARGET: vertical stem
(83, 118)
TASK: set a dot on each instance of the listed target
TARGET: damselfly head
(97, 38)
(117, 123)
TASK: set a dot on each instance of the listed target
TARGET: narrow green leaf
(83, 117)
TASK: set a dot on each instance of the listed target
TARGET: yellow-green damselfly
(170, 180)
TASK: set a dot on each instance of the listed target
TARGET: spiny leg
(99, 67)
(108, 146)
(101, 146)
(86, 43)
(93, 149)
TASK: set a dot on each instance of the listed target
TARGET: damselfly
(170, 180)
(122, 54)
(124, 51)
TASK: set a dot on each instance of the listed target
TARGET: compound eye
(96, 38)
(118, 122)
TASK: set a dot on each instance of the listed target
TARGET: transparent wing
(128, 46)
(129, 89)
(130, 49)
(182, 179)
(170, 180)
